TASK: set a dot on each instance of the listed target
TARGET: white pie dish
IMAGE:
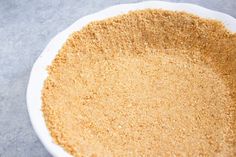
(39, 72)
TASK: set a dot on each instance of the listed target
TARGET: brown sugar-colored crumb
(147, 83)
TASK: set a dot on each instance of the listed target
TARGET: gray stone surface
(25, 28)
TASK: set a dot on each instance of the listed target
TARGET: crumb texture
(147, 83)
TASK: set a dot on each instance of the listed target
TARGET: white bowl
(39, 72)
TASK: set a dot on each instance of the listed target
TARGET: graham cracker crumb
(147, 83)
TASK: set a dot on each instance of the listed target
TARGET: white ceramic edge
(39, 73)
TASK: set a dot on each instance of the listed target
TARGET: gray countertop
(26, 27)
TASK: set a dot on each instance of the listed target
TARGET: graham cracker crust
(146, 83)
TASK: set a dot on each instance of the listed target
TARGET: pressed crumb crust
(147, 83)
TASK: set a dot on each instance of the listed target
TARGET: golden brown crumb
(147, 83)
